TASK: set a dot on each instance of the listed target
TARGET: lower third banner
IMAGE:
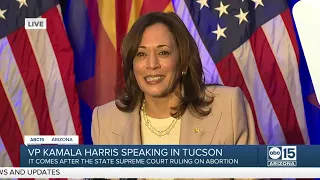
(169, 156)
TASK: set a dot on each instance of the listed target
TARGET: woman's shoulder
(235, 115)
(225, 98)
(107, 110)
(104, 119)
(223, 92)
(110, 106)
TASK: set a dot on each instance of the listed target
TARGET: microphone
(306, 17)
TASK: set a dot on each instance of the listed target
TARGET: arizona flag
(96, 29)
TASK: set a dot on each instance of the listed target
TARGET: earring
(183, 73)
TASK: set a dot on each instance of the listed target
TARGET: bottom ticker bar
(160, 172)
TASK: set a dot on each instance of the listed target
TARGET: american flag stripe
(9, 128)
(4, 156)
(281, 101)
(285, 56)
(30, 72)
(10, 154)
(267, 119)
(51, 76)
(15, 88)
(235, 78)
(60, 14)
(287, 20)
(58, 75)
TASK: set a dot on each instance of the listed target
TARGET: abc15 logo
(287, 153)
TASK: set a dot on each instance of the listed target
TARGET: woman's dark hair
(194, 95)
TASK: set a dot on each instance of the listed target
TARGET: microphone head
(306, 14)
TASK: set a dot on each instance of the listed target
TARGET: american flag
(37, 84)
(252, 44)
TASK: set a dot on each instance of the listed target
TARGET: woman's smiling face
(155, 63)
